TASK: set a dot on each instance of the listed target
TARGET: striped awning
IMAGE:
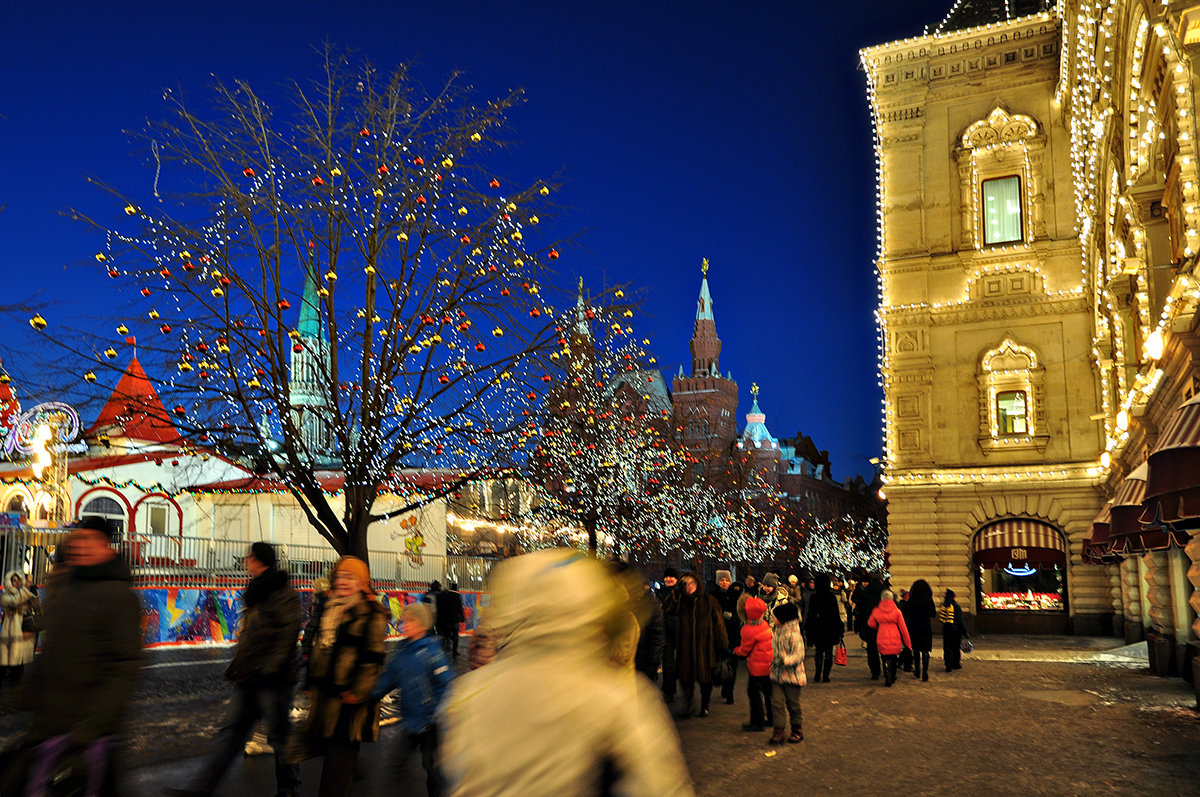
(1173, 484)
(1183, 428)
(1019, 533)
(1127, 503)
(1102, 525)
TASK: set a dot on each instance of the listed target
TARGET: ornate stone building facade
(1038, 226)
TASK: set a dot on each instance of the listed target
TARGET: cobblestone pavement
(1025, 715)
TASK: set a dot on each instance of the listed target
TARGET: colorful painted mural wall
(179, 616)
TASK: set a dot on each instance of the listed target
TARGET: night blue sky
(736, 131)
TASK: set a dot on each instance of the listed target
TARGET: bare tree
(347, 289)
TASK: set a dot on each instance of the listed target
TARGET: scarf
(331, 616)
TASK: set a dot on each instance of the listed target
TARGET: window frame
(983, 211)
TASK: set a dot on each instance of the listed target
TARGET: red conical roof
(135, 411)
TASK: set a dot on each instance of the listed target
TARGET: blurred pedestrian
(668, 600)
(16, 644)
(551, 715)
(919, 612)
(823, 627)
(954, 631)
(787, 675)
(264, 670)
(450, 616)
(891, 634)
(727, 595)
(420, 670)
(701, 640)
(346, 660)
(649, 653)
(755, 647)
(482, 648)
(91, 655)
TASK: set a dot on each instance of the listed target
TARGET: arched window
(1000, 175)
(106, 508)
(17, 505)
(1010, 399)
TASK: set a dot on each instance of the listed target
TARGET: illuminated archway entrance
(1020, 570)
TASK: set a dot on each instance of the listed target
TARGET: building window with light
(1011, 386)
(1012, 407)
(1001, 204)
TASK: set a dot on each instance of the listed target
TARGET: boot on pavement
(777, 736)
(797, 735)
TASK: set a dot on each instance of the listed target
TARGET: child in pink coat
(756, 649)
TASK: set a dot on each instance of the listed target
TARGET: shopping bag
(839, 655)
(966, 645)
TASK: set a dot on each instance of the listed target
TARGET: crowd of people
(769, 623)
(569, 682)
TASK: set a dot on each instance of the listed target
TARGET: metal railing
(191, 562)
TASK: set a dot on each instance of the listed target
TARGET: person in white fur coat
(16, 646)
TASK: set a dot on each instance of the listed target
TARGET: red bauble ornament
(419, 161)
(383, 169)
(421, 199)
(297, 348)
(284, 304)
(445, 380)
(318, 180)
(145, 291)
(112, 272)
(479, 347)
(166, 329)
(364, 132)
(494, 183)
(248, 172)
(179, 410)
(188, 267)
(552, 254)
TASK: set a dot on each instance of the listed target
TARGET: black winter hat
(265, 553)
(97, 523)
(786, 612)
(670, 572)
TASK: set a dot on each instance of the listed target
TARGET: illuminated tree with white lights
(605, 453)
(342, 286)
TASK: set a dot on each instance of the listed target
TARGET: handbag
(723, 670)
(31, 622)
(839, 654)
(966, 645)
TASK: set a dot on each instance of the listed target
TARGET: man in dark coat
(866, 598)
(648, 657)
(727, 594)
(263, 670)
(91, 654)
(823, 627)
(701, 638)
(449, 616)
(668, 599)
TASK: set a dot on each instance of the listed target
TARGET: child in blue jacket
(420, 670)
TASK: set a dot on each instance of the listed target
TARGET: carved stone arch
(999, 127)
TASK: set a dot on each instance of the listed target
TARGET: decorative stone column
(1160, 638)
(1131, 600)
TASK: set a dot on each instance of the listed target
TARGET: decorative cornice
(965, 312)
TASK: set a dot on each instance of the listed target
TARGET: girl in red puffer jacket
(892, 635)
(756, 648)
